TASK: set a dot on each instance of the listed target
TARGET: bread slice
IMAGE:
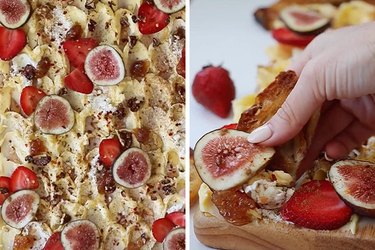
(289, 155)
(217, 233)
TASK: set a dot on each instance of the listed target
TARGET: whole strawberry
(213, 88)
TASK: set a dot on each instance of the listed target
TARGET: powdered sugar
(58, 27)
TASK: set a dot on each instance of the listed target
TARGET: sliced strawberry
(77, 50)
(286, 36)
(161, 228)
(151, 19)
(178, 218)
(54, 242)
(230, 126)
(23, 178)
(30, 97)
(109, 150)
(79, 82)
(11, 42)
(316, 205)
(181, 64)
(4, 188)
(214, 89)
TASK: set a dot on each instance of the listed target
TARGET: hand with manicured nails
(336, 73)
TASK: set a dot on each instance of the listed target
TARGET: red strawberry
(213, 88)
(79, 82)
(11, 42)
(230, 126)
(316, 205)
(77, 50)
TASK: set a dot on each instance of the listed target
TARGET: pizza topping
(23, 178)
(54, 242)
(43, 66)
(30, 97)
(80, 234)
(79, 82)
(109, 150)
(288, 37)
(214, 89)
(303, 20)
(106, 183)
(14, 13)
(19, 208)
(39, 160)
(77, 50)
(74, 33)
(22, 242)
(104, 66)
(37, 147)
(234, 205)
(139, 68)
(181, 64)
(169, 6)
(316, 205)
(161, 228)
(132, 168)
(11, 43)
(151, 19)
(54, 115)
(354, 181)
(4, 188)
(178, 218)
(175, 240)
(224, 158)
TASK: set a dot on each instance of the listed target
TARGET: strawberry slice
(286, 36)
(54, 242)
(151, 19)
(178, 218)
(77, 50)
(30, 97)
(79, 82)
(230, 126)
(23, 178)
(4, 188)
(109, 150)
(316, 205)
(161, 228)
(11, 42)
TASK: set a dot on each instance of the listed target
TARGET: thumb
(297, 109)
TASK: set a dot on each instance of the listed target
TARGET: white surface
(224, 32)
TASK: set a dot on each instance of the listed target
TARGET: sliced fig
(132, 168)
(14, 13)
(104, 66)
(19, 208)
(354, 181)
(79, 235)
(175, 240)
(170, 6)
(54, 115)
(224, 158)
(303, 20)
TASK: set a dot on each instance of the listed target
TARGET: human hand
(337, 70)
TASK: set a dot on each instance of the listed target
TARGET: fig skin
(170, 236)
(174, 9)
(338, 183)
(250, 158)
(20, 22)
(74, 224)
(303, 29)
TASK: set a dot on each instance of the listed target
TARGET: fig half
(225, 158)
(132, 168)
(80, 234)
(303, 20)
(354, 181)
(14, 13)
(104, 66)
(54, 115)
(19, 208)
(170, 6)
(175, 240)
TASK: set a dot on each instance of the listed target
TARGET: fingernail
(260, 134)
(327, 157)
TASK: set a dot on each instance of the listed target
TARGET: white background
(224, 32)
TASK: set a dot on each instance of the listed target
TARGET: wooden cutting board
(217, 233)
